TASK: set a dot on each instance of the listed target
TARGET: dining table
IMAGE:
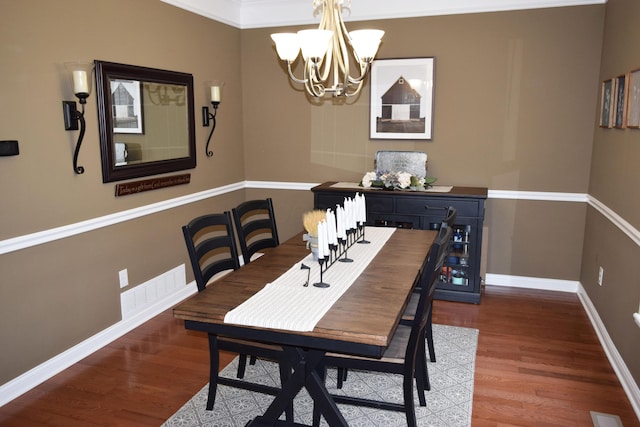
(361, 320)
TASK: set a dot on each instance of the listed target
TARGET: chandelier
(326, 53)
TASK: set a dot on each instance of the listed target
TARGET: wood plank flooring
(539, 363)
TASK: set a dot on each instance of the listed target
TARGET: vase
(312, 243)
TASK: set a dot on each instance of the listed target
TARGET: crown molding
(245, 14)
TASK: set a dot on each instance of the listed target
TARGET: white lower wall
(153, 297)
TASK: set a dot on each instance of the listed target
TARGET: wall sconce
(81, 77)
(216, 97)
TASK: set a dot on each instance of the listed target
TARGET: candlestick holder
(345, 246)
(321, 283)
(362, 240)
(338, 252)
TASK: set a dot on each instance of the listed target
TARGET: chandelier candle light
(325, 52)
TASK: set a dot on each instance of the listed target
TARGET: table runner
(286, 304)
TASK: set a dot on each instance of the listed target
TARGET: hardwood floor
(539, 363)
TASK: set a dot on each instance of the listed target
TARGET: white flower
(404, 179)
(368, 178)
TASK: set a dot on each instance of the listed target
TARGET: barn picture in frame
(401, 105)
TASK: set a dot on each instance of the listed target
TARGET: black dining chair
(255, 224)
(450, 216)
(409, 313)
(211, 245)
(406, 354)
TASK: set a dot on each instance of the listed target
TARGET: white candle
(334, 231)
(320, 240)
(347, 214)
(331, 227)
(340, 219)
(325, 231)
(351, 214)
(80, 82)
(215, 94)
(364, 209)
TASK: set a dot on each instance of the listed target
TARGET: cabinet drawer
(374, 203)
(324, 201)
(436, 207)
(379, 204)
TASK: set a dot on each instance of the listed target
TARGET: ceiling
(273, 13)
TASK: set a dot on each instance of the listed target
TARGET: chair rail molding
(50, 235)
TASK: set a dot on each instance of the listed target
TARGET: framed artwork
(401, 105)
(620, 110)
(126, 104)
(606, 103)
(633, 104)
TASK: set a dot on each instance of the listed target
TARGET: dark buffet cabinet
(460, 278)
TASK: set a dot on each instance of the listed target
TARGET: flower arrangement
(396, 180)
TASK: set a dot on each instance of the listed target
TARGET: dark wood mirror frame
(107, 71)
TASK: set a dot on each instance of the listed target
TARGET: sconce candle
(80, 82)
(215, 94)
(74, 119)
(207, 117)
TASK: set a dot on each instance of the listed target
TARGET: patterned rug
(448, 403)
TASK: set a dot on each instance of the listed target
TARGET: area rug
(448, 403)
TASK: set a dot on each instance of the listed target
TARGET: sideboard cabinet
(460, 277)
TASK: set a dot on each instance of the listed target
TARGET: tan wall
(515, 97)
(615, 174)
(515, 102)
(55, 295)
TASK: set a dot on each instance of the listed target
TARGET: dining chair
(406, 354)
(412, 305)
(409, 313)
(211, 245)
(255, 224)
(450, 216)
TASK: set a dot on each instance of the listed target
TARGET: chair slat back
(211, 245)
(450, 216)
(255, 224)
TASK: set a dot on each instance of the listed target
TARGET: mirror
(146, 121)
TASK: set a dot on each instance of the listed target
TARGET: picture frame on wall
(127, 113)
(401, 105)
(620, 110)
(633, 103)
(606, 103)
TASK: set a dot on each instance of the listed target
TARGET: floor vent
(605, 420)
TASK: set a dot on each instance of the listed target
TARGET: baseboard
(617, 363)
(532, 283)
(62, 361)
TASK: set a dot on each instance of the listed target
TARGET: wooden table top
(367, 313)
